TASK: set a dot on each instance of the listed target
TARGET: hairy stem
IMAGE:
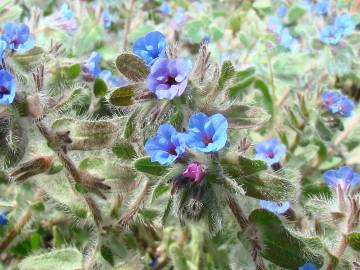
(128, 24)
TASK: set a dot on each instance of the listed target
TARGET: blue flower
(7, 87)
(308, 266)
(92, 65)
(344, 176)
(150, 47)
(282, 10)
(274, 25)
(322, 7)
(344, 24)
(207, 134)
(270, 151)
(275, 207)
(179, 18)
(334, 102)
(17, 37)
(3, 218)
(111, 80)
(106, 19)
(286, 40)
(65, 18)
(3, 46)
(330, 35)
(166, 146)
(165, 8)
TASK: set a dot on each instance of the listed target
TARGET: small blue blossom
(286, 40)
(330, 35)
(92, 65)
(334, 102)
(207, 134)
(3, 46)
(150, 47)
(275, 207)
(7, 87)
(111, 80)
(179, 18)
(165, 8)
(106, 19)
(322, 7)
(282, 10)
(344, 176)
(66, 19)
(308, 266)
(3, 219)
(344, 24)
(270, 151)
(166, 146)
(274, 25)
(17, 37)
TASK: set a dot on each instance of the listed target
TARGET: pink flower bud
(194, 172)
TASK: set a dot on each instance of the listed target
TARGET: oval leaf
(123, 95)
(146, 166)
(243, 116)
(132, 67)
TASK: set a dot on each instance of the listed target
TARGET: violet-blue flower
(207, 133)
(330, 35)
(106, 19)
(274, 25)
(17, 37)
(286, 40)
(3, 218)
(166, 146)
(322, 7)
(346, 106)
(92, 65)
(275, 207)
(179, 18)
(344, 176)
(150, 47)
(282, 10)
(334, 102)
(7, 87)
(168, 78)
(3, 46)
(111, 80)
(65, 18)
(270, 151)
(344, 24)
(308, 266)
(165, 8)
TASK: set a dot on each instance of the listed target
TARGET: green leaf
(132, 67)
(58, 238)
(123, 96)
(268, 102)
(158, 191)
(107, 254)
(68, 258)
(216, 33)
(124, 150)
(226, 74)
(30, 58)
(167, 210)
(100, 87)
(323, 131)
(279, 245)
(237, 88)
(243, 116)
(354, 240)
(194, 31)
(244, 74)
(146, 166)
(242, 166)
(262, 4)
(131, 124)
(295, 13)
(71, 72)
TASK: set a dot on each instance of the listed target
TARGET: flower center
(172, 151)
(270, 154)
(4, 91)
(170, 80)
(207, 139)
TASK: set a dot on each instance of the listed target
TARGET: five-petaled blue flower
(344, 176)
(344, 24)
(106, 19)
(7, 87)
(286, 39)
(275, 207)
(17, 37)
(150, 47)
(207, 134)
(274, 25)
(166, 146)
(330, 35)
(322, 7)
(282, 10)
(308, 266)
(3, 218)
(270, 151)
(92, 65)
(168, 78)
(334, 102)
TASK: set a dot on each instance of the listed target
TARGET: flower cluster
(205, 134)
(168, 78)
(275, 25)
(270, 151)
(93, 70)
(343, 26)
(345, 177)
(334, 102)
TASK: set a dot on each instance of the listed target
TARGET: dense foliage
(179, 135)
